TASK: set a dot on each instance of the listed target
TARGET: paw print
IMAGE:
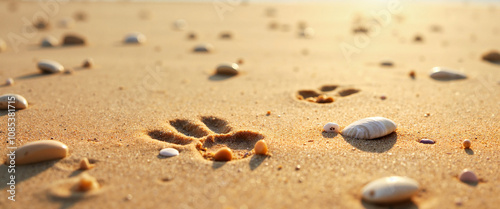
(208, 134)
(325, 94)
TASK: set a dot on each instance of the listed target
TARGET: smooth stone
(19, 101)
(135, 38)
(223, 154)
(331, 128)
(427, 141)
(261, 147)
(440, 73)
(180, 24)
(73, 39)
(9, 82)
(387, 63)
(390, 190)
(467, 176)
(227, 69)
(169, 152)
(204, 48)
(3, 45)
(39, 151)
(307, 32)
(492, 56)
(88, 63)
(49, 66)
(49, 41)
(467, 143)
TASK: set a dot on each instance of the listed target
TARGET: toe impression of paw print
(213, 138)
(325, 94)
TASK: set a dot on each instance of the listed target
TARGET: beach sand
(113, 113)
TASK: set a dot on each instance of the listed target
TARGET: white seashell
(370, 128)
(390, 189)
(227, 69)
(169, 152)
(331, 127)
(440, 73)
(3, 45)
(204, 48)
(180, 24)
(49, 41)
(67, 23)
(9, 82)
(49, 66)
(16, 100)
(135, 38)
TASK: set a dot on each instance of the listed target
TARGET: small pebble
(192, 36)
(387, 64)
(268, 113)
(41, 24)
(49, 41)
(223, 154)
(226, 35)
(427, 114)
(412, 74)
(307, 33)
(261, 147)
(240, 61)
(18, 101)
(297, 167)
(9, 82)
(3, 45)
(440, 73)
(67, 23)
(49, 66)
(85, 164)
(227, 69)
(135, 38)
(169, 152)
(39, 151)
(180, 24)
(73, 39)
(418, 38)
(207, 48)
(427, 141)
(331, 128)
(389, 190)
(492, 56)
(88, 63)
(467, 176)
(87, 183)
(383, 97)
(466, 144)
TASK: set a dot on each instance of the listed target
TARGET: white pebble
(331, 127)
(228, 69)
(49, 41)
(49, 66)
(180, 24)
(135, 38)
(307, 32)
(370, 128)
(9, 82)
(440, 73)
(390, 189)
(169, 152)
(16, 100)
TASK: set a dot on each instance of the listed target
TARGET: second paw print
(213, 138)
(325, 94)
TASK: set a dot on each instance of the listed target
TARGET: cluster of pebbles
(222, 154)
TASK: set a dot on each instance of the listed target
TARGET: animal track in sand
(325, 94)
(208, 134)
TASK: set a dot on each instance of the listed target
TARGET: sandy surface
(109, 113)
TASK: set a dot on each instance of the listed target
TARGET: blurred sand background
(106, 113)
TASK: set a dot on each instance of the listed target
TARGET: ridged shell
(370, 128)
(440, 73)
(389, 189)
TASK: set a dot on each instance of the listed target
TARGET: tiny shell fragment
(390, 190)
(16, 100)
(39, 151)
(85, 164)
(227, 69)
(223, 154)
(331, 127)
(87, 183)
(467, 176)
(135, 38)
(49, 66)
(49, 41)
(444, 74)
(467, 143)
(169, 152)
(260, 147)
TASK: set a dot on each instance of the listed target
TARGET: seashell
(227, 69)
(204, 48)
(391, 189)
(261, 147)
(307, 32)
(3, 45)
(370, 128)
(223, 154)
(467, 176)
(169, 152)
(9, 82)
(467, 143)
(16, 100)
(87, 183)
(427, 141)
(67, 23)
(135, 38)
(49, 41)
(85, 164)
(492, 56)
(73, 39)
(331, 127)
(180, 24)
(39, 151)
(49, 66)
(444, 74)
(88, 63)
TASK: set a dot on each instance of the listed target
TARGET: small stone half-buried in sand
(15, 101)
(39, 151)
(81, 186)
